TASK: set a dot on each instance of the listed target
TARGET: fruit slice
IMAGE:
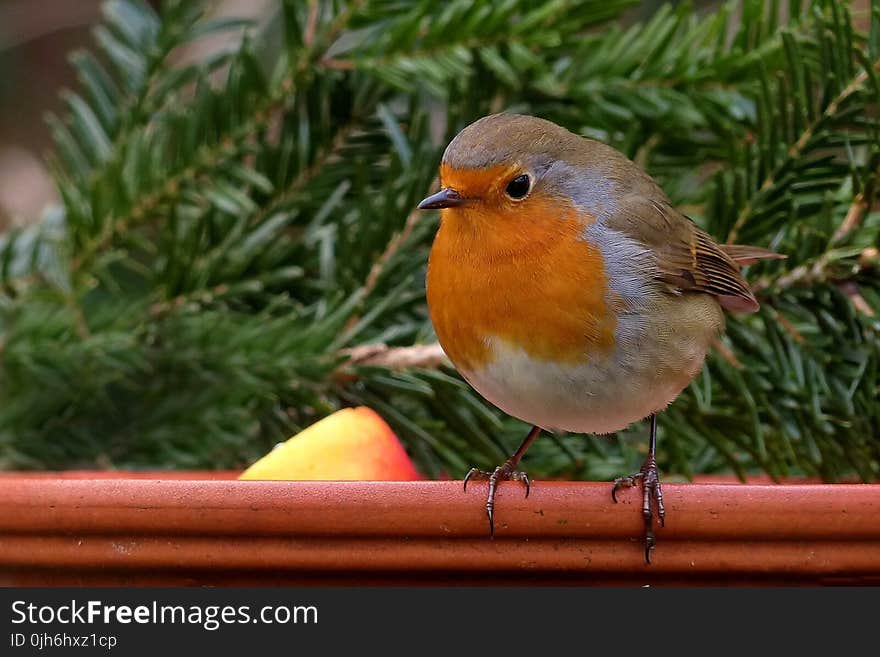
(350, 444)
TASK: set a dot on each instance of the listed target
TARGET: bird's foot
(503, 472)
(651, 493)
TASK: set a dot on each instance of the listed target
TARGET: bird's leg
(651, 491)
(505, 471)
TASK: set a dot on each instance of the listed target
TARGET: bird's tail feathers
(743, 254)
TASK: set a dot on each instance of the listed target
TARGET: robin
(568, 291)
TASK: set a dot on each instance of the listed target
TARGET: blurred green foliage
(230, 226)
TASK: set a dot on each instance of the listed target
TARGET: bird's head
(520, 175)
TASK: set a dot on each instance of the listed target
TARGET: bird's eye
(518, 187)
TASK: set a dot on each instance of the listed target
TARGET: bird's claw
(651, 493)
(503, 472)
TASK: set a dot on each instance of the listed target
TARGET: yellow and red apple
(351, 444)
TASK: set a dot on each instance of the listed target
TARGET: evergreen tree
(236, 253)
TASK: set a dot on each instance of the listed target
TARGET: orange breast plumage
(538, 285)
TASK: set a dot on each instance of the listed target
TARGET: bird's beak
(445, 198)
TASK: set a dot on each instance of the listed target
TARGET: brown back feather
(687, 258)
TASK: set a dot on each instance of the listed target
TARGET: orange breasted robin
(568, 291)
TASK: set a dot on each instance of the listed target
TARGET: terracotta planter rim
(125, 529)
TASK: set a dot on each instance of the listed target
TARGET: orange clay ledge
(172, 531)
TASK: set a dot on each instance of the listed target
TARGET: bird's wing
(687, 258)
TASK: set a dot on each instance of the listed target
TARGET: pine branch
(421, 357)
(796, 151)
(237, 252)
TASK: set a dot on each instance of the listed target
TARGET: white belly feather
(602, 395)
(651, 363)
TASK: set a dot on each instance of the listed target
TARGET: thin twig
(852, 292)
(788, 326)
(809, 272)
(869, 258)
(311, 23)
(423, 357)
(727, 354)
(644, 152)
(858, 209)
(816, 271)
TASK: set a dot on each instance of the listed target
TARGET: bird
(569, 292)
